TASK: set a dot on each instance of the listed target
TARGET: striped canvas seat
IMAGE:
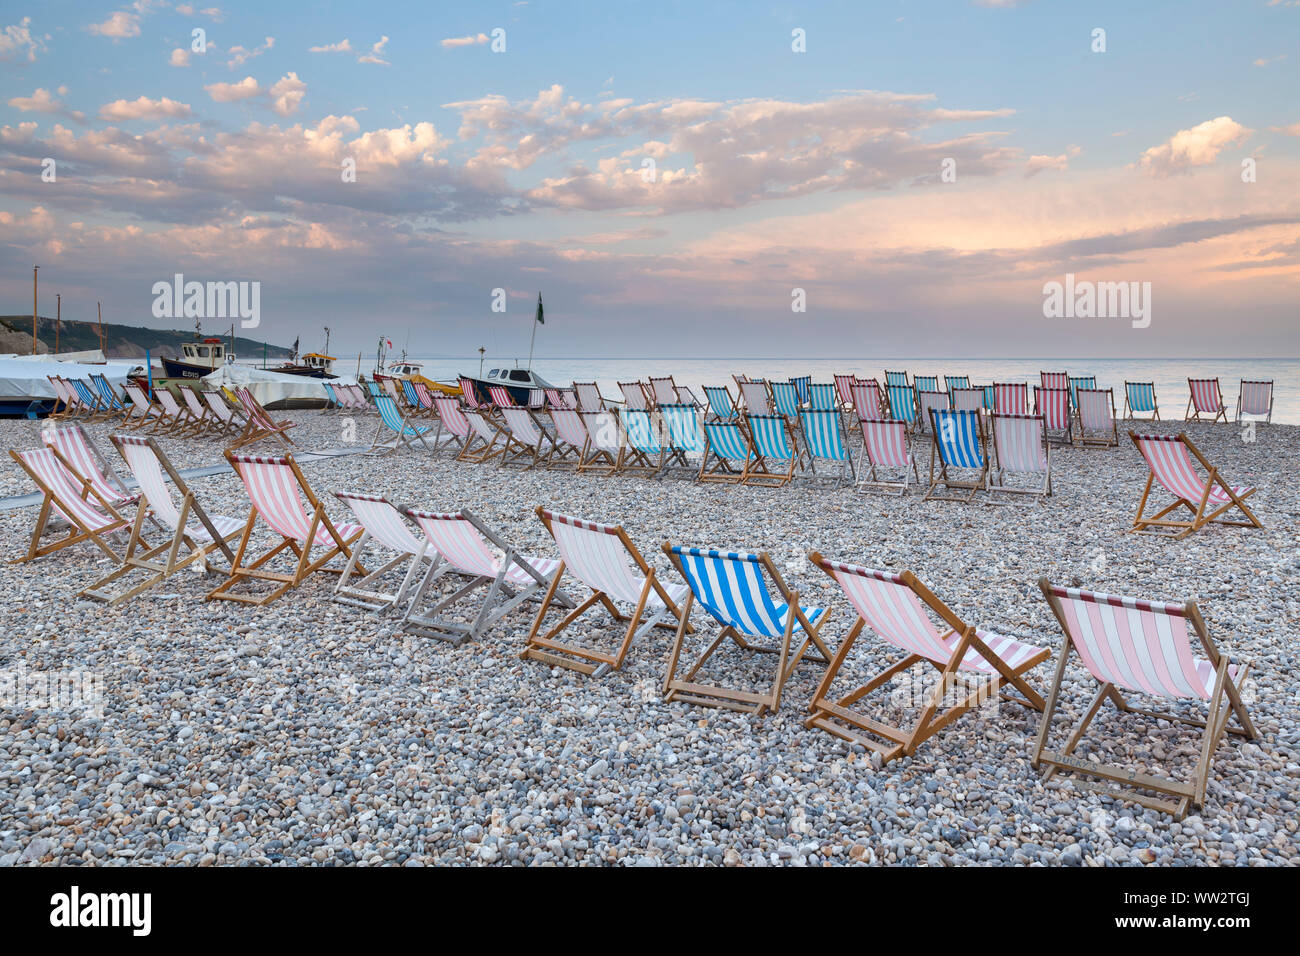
(1055, 380)
(108, 397)
(785, 399)
(634, 396)
(1140, 398)
(959, 444)
(1080, 381)
(685, 425)
(384, 525)
(823, 438)
(955, 382)
(570, 437)
(844, 390)
(664, 390)
(79, 451)
(143, 411)
(423, 397)
(89, 398)
(866, 399)
(409, 393)
(199, 413)
(928, 400)
(230, 420)
(645, 452)
(469, 393)
(527, 443)
(490, 439)
(896, 379)
(885, 445)
(1053, 405)
(902, 403)
(71, 497)
(901, 612)
(463, 546)
(1020, 445)
(822, 398)
(604, 448)
(730, 586)
(401, 434)
(925, 383)
(1097, 425)
(174, 417)
(1011, 398)
(557, 399)
(1255, 398)
(501, 396)
(802, 384)
(63, 396)
(1170, 459)
(1140, 646)
(589, 398)
(773, 444)
(374, 388)
(755, 397)
(451, 421)
(259, 423)
(967, 399)
(990, 398)
(721, 407)
(728, 453)
(332, 402)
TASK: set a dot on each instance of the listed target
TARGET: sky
(894, 178)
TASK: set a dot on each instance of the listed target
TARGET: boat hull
(175, 369)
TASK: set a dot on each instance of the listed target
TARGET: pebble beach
(311, 733)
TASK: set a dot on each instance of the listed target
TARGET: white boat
(25, 387)
(276, 389)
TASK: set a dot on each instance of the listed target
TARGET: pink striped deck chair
(390, 388)
(63, 396)
(754, 394)
(88, 463)
(1011, 398)
(634, 395)
(664, 390)
(589, 397)
(844, 389)
(569, 437)
(604, 559)
(1206, 398)
(68, 496)
(384, 525)
(358, 396)
(1170, 459)
(192, 535)
(604, 448)
(488, 435)
(1055, 380)
(1053, 405)
(143, 411)
(865, 396)
(885, 445)
(1020, 445)
(974, 665)
(274, 486)
(258, 424)
(425, 397)
(469, 394)
(527, 442)
(1131, 645)
(556, 398)
(175, 419)
(1255, 398)
(465, 544)
(501, 397)
(967, 399)
(453, 421)
(1097, 423)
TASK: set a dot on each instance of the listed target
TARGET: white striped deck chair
(1053, 405)
(384, 525)
(569, 439)
(144, 412)
(536, 399)
(1140, 398)
(176, 419)
(1255, 398)
(958, 444)
(634, 396)
(644, 450)
(360, 398)
(70, 497)
(773, 444)
(926, 401)
(721, 407)
(1020, 445)
(1170, 459)
(688, 397)
(452, 422)
(604, 448)
(465, 544)
(865, 394)
(925, 383)
(89, 463)
(1097, 424)
(259, 422)
(205, 421)
(754, 393)
(844, 390)
(1080, 381)
(664, 390)
(192, 535)
(975, 666)
(1010, 398)
(1054, 380)
(63, 396)
(604, 559)
(527, 442)
(389, 387)
(822, 397)
(727, 452)
(491, 440)
(824, 439)
(396, 430)
(276, 487)
(556, 398)
(967, 399)
(902, 404)
(589, 398)
(785, 399)
(1134, 646)
(955, 382)
(732, 588)
(686, 443)
(885, 445)
(230, 420)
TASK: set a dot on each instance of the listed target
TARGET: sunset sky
(524, 169)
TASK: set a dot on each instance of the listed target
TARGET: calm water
(1170, 375)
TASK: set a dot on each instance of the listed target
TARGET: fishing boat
(523, 384)
(313, 365)
(197, 359)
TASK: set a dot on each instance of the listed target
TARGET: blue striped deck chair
(727, 452)
(375, 390)
(822, 397)
(925, 383)
(110, 400)
(685, 434)
(959, 444)
(1140, 399)
(90, 398)
(990, 397)
(902, 404)
(824, 438)
(408, 390)
(802, 385)
(401, 434)
(773, 443)
(785, 399)
(732, 587)
(332, 401)
(1082, 381)
(644, 453)
(956, 381)
(896, 378)
(721, 407)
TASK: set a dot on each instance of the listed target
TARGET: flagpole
(530, 345)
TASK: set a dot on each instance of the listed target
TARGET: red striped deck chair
(385, 526)
(1170, 459)
(88, 463)
(733, 590)
(259, 423)
(144, 412)
(1053, 405)
(360, 401)
(1140, 398)
(754, 394)
(975, 666)
(68, 496)
(728, 452)
(555, 398)
(569, 437)
(1097, 424)
(192, 535)
(928, 400)
(664, 390)
(1011, 398)
(424, 396)
(604, 559)
(452, 421)
(885, 445)
(469, 394)
(527, 442)
(489, 436)
(1134, 646)
(390, 388)
(465, 544)
(1206, 398)
(1055, 380)
(501, 397)
(589, 397)
(634, 396)
(968, 399)
(1255, 398)
(844, 390)
(604, 449)
(276, 487)
(865, 394)
(1020, 445)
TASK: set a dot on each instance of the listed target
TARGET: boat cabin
(314, 360)
(210, 353)
(404, 369)
(511, 376)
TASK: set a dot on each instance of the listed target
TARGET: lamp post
(481, 351)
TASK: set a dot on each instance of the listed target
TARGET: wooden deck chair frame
(517, 451)
(1130, 414)
(688, 690)
(1194, 414)
(206, 422)
(1089, 436)
(943, 479)
(1241, 395)
(869, 478)
(1010, 458)
(548, 649)
(139, 400)
(224, 413)
(1184, 796)
(479, 427)
(759, 472)
(723, 441)
(78, 530)
(605, 459)
(1202, 514)
(258, 423)
(837, 717)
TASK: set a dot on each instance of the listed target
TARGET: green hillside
(120, 341)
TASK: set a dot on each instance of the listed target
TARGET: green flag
(541, 319)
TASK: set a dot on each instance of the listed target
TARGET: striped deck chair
(411, 396)
(382, 524)
(200, 414)
(688, 397)
(773, 443)
(955, 382)
(598, 556)
(959, 443)
(465, 545)
(990, 398)
(360, 398)
(537, 399)
(1053, 405)
(896, 379)
(569, 437)
(589, 398)
(785, 399)
(425, 399)
(1170, 459)
(63, 396)
(975, 666)
(452, 422)
(259, 423)
(144, 412)
(373, 388)
(90, 401)
(927, 400)
(754, 394)
(346, 399)
(644, 452)
(109, 399)
(1255, 398)
(822, 397)
(527, 442)
(732, 587)
(1097, 425)
(1080, 381)
(68, 496)
(802, 384)
(1140, 398)
(824, 438)
(885, 445)
(844, 390)
(274, 486)
(231, 421)
(664, 390)
(685, 426)
(604, 448)
(395, 430)
(727, 452)
(1020, 445)
(555, 398)
(501, 397)
(193, 535)
(470, 394)
(89, 464)
(1010, 398)
(634, 396)
(925, 383)
(389, 387)
(866, 399)
(902, 404)
(175, 419)
(332, 402)
(1131, 645)
(967, 399)
(721, 407)
(488, 434)
(1055, 380)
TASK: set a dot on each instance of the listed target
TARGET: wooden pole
(58, 319)
(35, 269)
(99, 310)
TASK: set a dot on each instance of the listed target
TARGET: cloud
(240, 55)
(471, 40)
(287, 93)
(1292, 130)
(1036, 164)
(1265, 61)
(144, 108)
(180, 57)
(376, 54)
(40, 101)
(1198, 146)
(343, 46)
(118, 26)
(245, 89)
(17, 42)
(213, 13)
